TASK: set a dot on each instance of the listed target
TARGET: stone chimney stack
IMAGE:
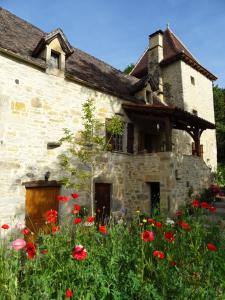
(155, 55)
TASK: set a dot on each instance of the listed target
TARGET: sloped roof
(21, 38)
(173, 50)
(178, 115)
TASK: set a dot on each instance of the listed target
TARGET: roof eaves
(101, 89)
(22, 58)
(190, 61)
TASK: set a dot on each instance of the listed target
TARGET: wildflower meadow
(141, 257)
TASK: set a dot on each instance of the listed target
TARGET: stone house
(168, 147)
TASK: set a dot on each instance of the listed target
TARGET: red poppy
(159, 254)
(51, 216)
(76, 208)
(79, 253)
(63, 198)
(211, 247)
(5, 226)
(158, 224)
(26, 231)
(205, 205)
(179, 213)
(102, 229)
(74, 195)
(90, 219)
(148, 236)
(173, 263)
(30, 250)
(69, 293)
(185, 226)
(169, 237)
(77, 221)
(55, 229)
(212, 209)
(151, 221)
(195, 203)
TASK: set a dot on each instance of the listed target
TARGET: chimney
(155, 55)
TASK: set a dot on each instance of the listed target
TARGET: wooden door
(102, 201)
(155, 197)
(40, 198)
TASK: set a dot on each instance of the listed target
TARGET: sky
(117, 31)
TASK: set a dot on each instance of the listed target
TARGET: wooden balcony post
(168, 133)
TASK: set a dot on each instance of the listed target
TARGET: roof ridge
(9, 12)
(182, 43)
(46, 33)
(171, 38)
(140, 58)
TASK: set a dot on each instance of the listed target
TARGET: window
(54, 60)
(145, 142)
(195, 112)
(192, 80)
(115, 141)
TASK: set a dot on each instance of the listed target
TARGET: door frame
(110, 193)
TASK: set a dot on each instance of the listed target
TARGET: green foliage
(85, 149)
(220, 175)
(219, 107)
(120, 265)
(128, 69)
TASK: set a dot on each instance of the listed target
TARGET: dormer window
(148, 97)
(54, 60)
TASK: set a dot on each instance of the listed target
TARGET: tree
(219, 107)
(85, 150)
(128, 69)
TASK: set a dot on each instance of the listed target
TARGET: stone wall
(34, 109)
(178, 175)
(199, 97)
(179, 91)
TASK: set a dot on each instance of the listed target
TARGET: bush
(142, 259)
(220, 175)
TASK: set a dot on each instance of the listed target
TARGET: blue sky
(117, 31)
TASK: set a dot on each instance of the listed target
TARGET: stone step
(219, 204)
(220, 211)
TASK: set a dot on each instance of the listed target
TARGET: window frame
(56, 56)
(112, 139)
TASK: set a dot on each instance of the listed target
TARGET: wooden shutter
(140, 141)
(130, 138)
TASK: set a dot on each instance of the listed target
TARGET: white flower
(88, 224)
(169, 221)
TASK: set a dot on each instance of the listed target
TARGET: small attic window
(54, 60)
(192, 80)
(195, 112)
(148, 97)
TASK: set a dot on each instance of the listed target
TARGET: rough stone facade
(179, 91)
(36, 104)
